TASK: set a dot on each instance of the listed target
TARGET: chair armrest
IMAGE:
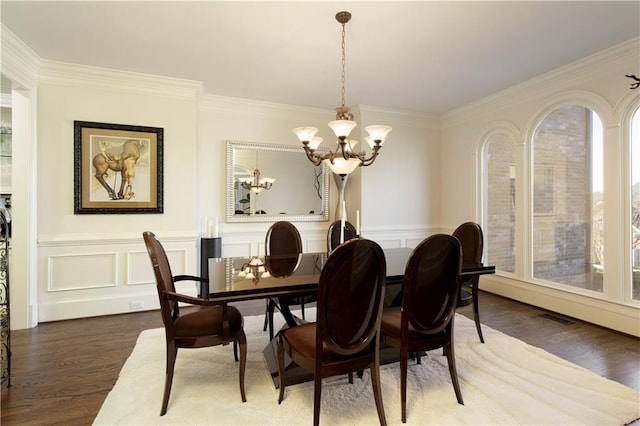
(189, 278)
(179, 297)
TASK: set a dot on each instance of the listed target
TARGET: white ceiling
(430, 56)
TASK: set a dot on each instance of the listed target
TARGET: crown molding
(400, 116)
(243, 106)
(74, 75)
(274, 110)
(555, 80)
(18, 62)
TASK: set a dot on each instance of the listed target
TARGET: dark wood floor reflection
(62, 371)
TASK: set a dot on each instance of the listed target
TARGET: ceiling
(429, 56)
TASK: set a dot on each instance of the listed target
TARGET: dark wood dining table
(297, 276)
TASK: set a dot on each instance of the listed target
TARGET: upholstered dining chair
(333, 234)
(472, 240)
(283, 238)
(214, 324)
(346, 336)
(425, 320)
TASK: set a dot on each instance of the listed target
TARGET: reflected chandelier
(344, 159)
(254, 270)
(256, 183)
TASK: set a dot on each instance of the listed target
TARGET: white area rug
(504, 382)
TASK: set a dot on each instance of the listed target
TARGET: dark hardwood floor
(62, 371)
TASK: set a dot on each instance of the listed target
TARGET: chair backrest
(164, 278)
(432, 283)
(350, 295)
(283, 238)
(333, 234)
(472, 240)
(282, 266)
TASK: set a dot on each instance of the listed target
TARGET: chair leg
(452, 371)
(302, 310)
(281, 366)
(271, 307)
(172, 352)
(377, 391)
(235, 350)
(242, 341)
(404, 361)
(476, 313)
(266, 315)
(317, 394)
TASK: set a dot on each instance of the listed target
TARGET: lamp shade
(315, 143)
(341, 166)
(378, 132)
(305, 134)
(342, 128)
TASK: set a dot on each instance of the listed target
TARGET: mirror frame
(230, 193)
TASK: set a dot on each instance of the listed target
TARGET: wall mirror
(267, 183)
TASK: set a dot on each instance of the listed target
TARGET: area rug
(503, 382)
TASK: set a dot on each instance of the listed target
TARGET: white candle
(217, 233)
(209, 228)
(358, 222)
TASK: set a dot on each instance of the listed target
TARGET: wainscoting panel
(140, 270)
(96, 277)
(68, 272)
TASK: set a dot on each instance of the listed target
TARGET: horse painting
(123, 162)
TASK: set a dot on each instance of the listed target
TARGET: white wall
(598, 82)
(96, 264)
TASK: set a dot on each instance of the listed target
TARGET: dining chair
(333, 234)
(283, 238)
(214, 324)
(472, 239)
(346, 335)
(425, 320)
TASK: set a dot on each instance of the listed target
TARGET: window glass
(567, 210)
(635, 204)
(500, 196)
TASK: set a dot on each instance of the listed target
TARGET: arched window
(635, 205)
(567, 185)
(499, 190)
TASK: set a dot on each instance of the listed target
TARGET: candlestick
(358, 223)
(342, 222)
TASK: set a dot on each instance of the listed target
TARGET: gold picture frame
(118, 168)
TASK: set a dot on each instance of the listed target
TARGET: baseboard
(625, 319)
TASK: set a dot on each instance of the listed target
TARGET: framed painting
(117, 168)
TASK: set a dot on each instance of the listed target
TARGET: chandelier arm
(313, 157)
(374, 155)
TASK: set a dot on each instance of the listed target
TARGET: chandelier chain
(344, 61)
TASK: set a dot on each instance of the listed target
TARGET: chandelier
(253, 270)
(344, 159)
(256, 183)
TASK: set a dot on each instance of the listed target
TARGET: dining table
(235, 279)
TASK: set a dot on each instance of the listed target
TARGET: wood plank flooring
(62, 371)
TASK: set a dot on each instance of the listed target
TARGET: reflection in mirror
(267, 182)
